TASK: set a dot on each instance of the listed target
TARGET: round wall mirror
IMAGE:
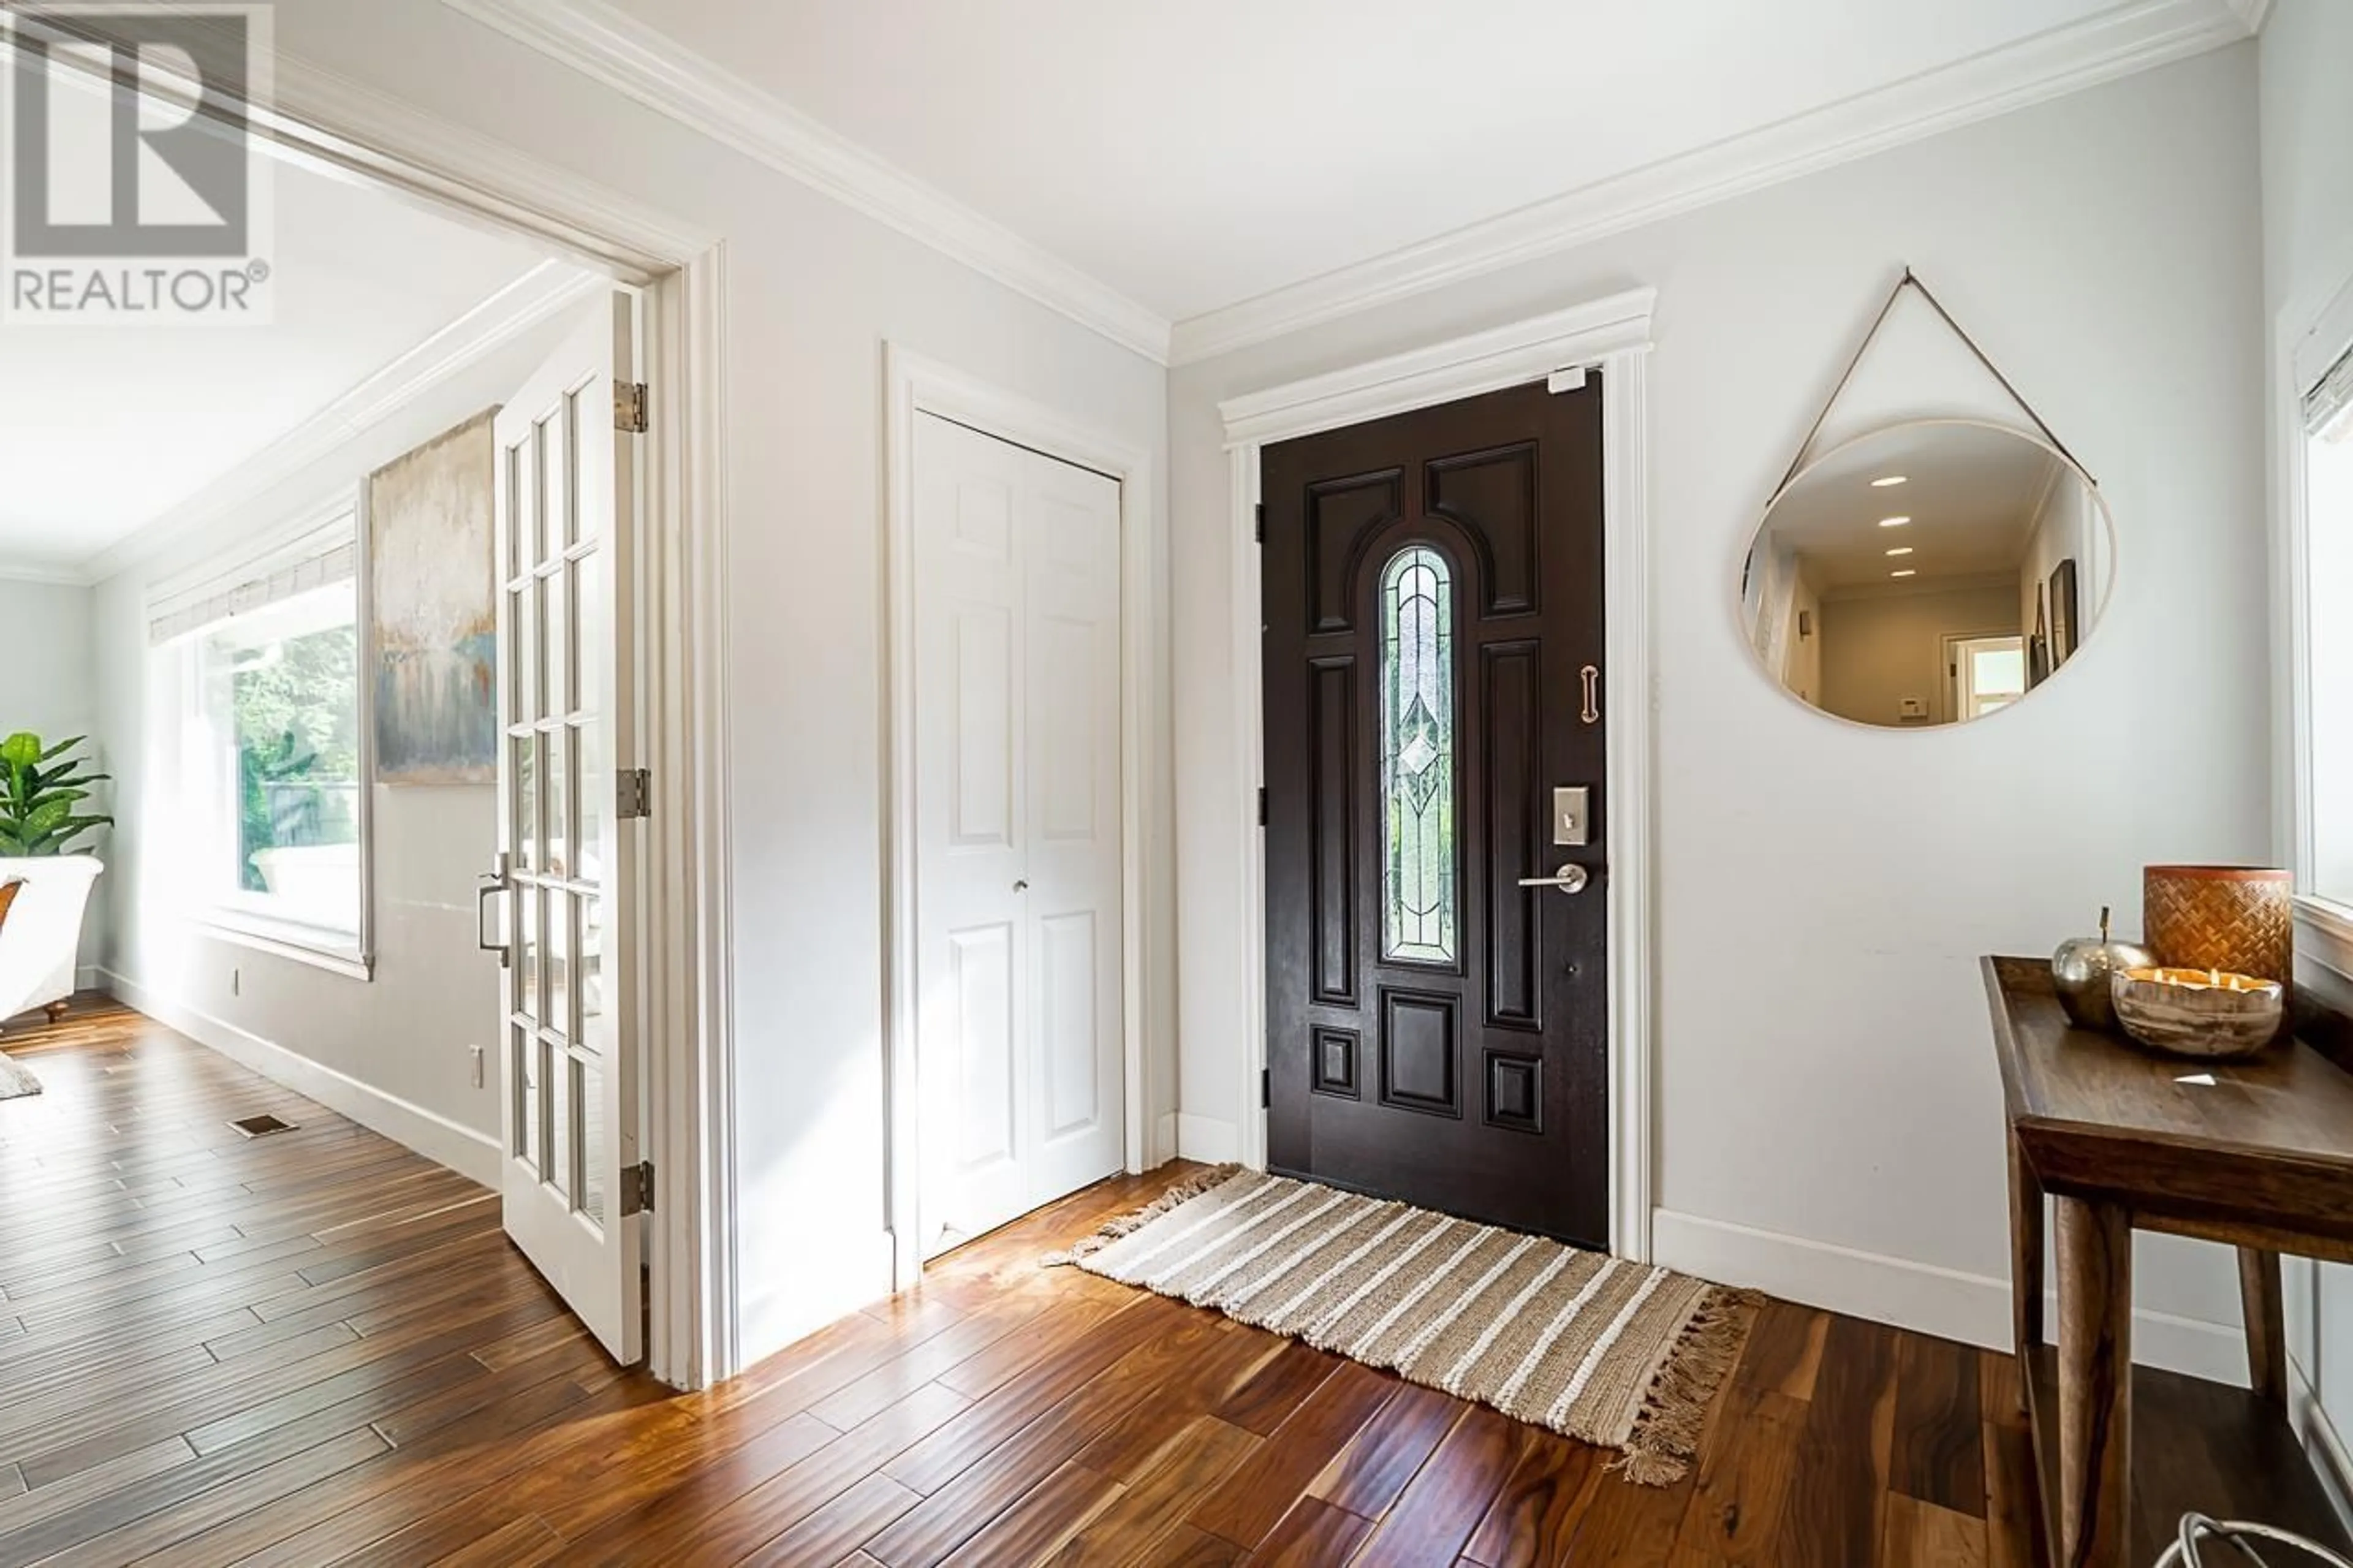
(1931, 572)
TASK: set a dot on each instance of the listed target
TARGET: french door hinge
(1261, 522)
(631, 414)
(1261, 805)
(638, 1189)
(633, 794)
(1266, 1089)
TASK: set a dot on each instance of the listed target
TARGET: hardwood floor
(317, 1348)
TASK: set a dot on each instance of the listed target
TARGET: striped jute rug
(1617, 1354)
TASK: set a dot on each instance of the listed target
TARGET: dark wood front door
(1433, 606)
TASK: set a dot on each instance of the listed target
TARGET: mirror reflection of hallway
(1931, 572)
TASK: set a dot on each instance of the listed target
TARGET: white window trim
(2308, 337)
(351, 956)
(319, 948)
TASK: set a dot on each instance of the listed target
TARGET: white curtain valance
(318, 558)
(2330, 395)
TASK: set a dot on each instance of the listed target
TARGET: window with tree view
(278, 728)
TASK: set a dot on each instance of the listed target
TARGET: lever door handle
(1568, 879)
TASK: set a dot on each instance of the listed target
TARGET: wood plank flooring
(318, 1348)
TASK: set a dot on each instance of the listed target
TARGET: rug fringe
(1673, 1418)
(1125, 1224)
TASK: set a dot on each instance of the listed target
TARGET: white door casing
(1019, 946)
(567, 1061)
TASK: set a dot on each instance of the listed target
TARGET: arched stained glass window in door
(1418, 919)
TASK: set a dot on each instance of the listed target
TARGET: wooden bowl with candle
(2206, 1013)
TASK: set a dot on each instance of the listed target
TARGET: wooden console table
(2257, 1154)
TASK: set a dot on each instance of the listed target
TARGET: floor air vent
(262, 1126)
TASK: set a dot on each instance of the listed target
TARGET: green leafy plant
(39, 803)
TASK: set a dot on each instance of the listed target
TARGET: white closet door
(1018, 828)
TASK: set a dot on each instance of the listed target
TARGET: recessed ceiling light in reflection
(1907, 572)
(1884, 481)
(1893, 522)
(1901, 550)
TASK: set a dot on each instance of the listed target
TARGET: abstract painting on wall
(435, 609)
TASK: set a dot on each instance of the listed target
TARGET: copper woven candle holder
(2240, 919)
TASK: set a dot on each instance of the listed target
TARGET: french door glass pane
(592, 969)
(560, 650)
(559, 948)
(1417, 757)
(528, 952)
(588, 581)
(591, 1084)
(522, 1048)
(558, 860)
(523, 781)
(544, 539)
(561, 1144)
(517, 499)
(521, 677)
(590, 799)
(570, 533)
(535, 704)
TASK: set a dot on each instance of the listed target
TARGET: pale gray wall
(1825, 1079)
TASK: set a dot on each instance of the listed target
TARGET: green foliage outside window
(295, 707)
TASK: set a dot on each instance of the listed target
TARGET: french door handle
(1591, 712)
(1568, 879)
(489, 884)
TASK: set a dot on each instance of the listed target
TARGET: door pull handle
(1591, 712)
(489, 884)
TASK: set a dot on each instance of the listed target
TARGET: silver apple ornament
(2080, 971)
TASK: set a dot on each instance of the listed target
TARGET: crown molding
(2250, 14)
(649, 67)
(1581, 335)
(2116, 43)
(544, 292)
(45, 573)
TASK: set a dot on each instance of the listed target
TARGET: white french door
(1017, 920)
(567, 1059)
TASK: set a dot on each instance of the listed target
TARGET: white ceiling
(1194, 155)
(1972, 493)
(103, 429)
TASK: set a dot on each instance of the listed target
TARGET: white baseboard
(469, 1153)
(88, 977)
(1164, 1141)
(1947, 1302)
(1207, 1139)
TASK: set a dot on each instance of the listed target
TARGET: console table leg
(2095, 1383)
(2260, 1300)
(2025, 1263)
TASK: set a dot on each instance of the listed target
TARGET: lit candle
(2198, 1012)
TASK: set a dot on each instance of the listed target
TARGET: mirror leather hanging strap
(1910, 281)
